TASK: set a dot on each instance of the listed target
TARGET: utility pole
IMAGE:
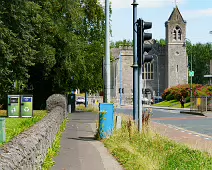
(158, 78)
(107, 53)
(135, 63)
(191, 95)
(120, 56)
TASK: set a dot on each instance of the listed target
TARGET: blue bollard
(106, 120)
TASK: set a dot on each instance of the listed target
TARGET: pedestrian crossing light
(142, 36)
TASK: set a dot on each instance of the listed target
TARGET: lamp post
(135, 63)
(158, 79)
(191, 63)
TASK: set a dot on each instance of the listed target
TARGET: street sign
(191, 73)
(26, 106)
(13, 109)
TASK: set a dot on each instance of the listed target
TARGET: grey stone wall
(28, 150)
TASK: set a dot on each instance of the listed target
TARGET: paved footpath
(79, 150)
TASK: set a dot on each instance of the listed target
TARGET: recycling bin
(71, 102)
(106, 119)
(26, 106)
(13, 109)
(2, 130)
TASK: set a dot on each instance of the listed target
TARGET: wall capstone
(28, 150)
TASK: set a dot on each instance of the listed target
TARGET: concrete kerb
(169, 108)
(193, 113)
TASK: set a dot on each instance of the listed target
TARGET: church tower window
(177, 33)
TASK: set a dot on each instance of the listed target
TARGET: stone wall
(28, 150)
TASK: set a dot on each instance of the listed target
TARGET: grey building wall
(158, 53)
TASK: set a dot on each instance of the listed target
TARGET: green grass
(15, 126)
(52, 152)
(171, 103)
(151, 151)
(3, 113)
(87, 109)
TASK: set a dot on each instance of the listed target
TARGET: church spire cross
(175, 2)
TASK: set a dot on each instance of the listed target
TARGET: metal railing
(201, 104)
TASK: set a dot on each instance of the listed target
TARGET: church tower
(176, 58)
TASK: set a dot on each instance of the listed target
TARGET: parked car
(145, 100)
(80, 100)
(156, 99)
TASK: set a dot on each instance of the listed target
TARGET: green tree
(201, 55)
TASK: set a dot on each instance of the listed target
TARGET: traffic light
(141, 46)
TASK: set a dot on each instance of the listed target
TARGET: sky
(197, 13)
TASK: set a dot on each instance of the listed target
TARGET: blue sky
(197, 13)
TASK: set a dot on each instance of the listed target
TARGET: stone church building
(169, 67)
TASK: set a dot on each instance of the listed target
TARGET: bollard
(69, 108)
(2, 130)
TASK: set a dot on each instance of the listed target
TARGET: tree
(51, 45)
(201, 55)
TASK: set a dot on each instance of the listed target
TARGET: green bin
(13, 109)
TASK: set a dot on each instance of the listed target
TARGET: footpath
(79, 150)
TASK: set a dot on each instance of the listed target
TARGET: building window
(174, 35)
(177, 34)
(147, 71)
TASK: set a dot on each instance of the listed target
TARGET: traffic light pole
(142, 59)
(140, 83)
(135, 63)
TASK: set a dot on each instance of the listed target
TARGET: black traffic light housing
(141, 46)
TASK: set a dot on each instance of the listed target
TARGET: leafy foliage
(51, 46)
(176, 92)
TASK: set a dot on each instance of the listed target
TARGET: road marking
(207, 137)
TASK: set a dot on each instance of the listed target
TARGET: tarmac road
(199, 124)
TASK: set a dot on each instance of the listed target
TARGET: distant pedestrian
(182, 101)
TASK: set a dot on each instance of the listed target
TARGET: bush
(169, 97)
(176, 92)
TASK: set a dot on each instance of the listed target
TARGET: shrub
(176, 92)
(169, 97)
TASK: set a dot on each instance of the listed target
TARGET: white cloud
(197, 13)
(117, 4)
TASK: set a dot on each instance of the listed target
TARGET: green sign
(26, 106)
(13, 106)
(191, 73)
(2, 130)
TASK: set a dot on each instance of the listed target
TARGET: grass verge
(3, 113)
(15, 126)
(150, 151)
(90, 108)
(171, 103)
(52, 152)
